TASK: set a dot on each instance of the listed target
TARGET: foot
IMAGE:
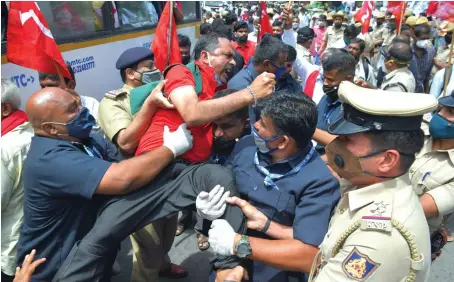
(180, 229)
(174, 271)
(202, 242)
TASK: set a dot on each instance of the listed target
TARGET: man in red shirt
(244, 46)
(213, 55)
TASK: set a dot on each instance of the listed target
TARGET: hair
(205, 28)
(406, 142)
(291, 54)
(224, 31)
(230, 18)
(184, 41)
(239, 25)
(401, 39)
(401, 51)
(241, 113)
(421, 30)
(10, 93)
(208, 42)
(56, 77)
(351, 31)
(362, 43)
(216, 23)
(209, 13)
(322, 17)
(277, 23)
(269, 48)
(292, 115)
(341, 61)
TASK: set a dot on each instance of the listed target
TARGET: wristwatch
(243, 247)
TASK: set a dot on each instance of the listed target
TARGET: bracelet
(253, 95)
(267, 225)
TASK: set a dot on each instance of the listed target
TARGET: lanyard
(92, 152)
(270, 177)
(328, 114)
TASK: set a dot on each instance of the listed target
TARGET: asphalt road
(186, 253)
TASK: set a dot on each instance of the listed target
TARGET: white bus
(91, 35)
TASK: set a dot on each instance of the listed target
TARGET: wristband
(253, 95)
(267, 225)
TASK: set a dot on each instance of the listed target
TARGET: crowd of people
(315, 153)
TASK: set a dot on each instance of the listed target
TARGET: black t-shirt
(60, 179)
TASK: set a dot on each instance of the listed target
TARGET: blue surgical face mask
(279, 70)
(262, 142)
(80, 126)
(441, 128)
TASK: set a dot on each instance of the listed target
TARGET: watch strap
(267, 225)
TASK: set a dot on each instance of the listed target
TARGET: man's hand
(287, 17)
(263, 85)
(157, 99)
(364, 84)
(256, 220)
(179, 141)
(232, 275)
(221, 237)
(212, 205)
(28, 267)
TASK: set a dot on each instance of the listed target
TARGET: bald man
(67, 170)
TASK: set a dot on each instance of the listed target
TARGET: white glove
(212, 205)
(179, 141)
(221, 237)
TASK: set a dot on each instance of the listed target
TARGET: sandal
(180, 229)
(202, 242)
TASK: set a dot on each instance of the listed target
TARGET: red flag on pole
(365, 14)
(265, 26)
(30, 42)
(432, 7)
(397, 8)
(445, 11)
(160, 45)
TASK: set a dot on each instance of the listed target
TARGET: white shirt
(252, 36)
(15, 145)
(436, 89)
(303, 68)
(361, 73)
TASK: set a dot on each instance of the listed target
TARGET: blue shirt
(60, 179)
(328, 112)
(289, 83)
(304, 200)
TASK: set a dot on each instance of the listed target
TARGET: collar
(291, 161)
(301, 47)
(394, 72)
(246, 46)
(428, 149)
(250, 68)
(360, 197)
(127, 88)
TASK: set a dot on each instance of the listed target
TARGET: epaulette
(379, 215)
(112, 94)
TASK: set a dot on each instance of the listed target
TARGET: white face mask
(321, 24)
(219, 82)
(296, 25)
(422, 43)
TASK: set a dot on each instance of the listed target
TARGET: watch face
(243, 249)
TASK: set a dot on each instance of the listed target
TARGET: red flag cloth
(265, 26)
(396, 7)
(12, 121)
(159, 46)
(432, 7)
(445, 11)
(30, 42)
(364, 15)
(310, 84)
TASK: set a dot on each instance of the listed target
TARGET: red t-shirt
(177, 77)
(247, 51)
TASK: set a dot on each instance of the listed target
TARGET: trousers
(175, 189)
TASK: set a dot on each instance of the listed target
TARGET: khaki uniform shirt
(334, 38)
(389, 37)
(442, 56)
(115, 111)
(433, 173)
(402, 76)
(303, 53)
(362, 242)
(379, 33)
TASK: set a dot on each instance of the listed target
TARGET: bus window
(189, 10)
(136, 13)
(69, 19)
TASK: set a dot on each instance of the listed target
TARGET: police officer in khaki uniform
(377, 232)
(379, 30)
(432, 173)
(152, 243)
(334, 35)
(392, 30)
(443, 52)
(304, 38)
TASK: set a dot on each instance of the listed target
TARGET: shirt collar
(127, 88)
(394, 72)
(291, 161)
(428, 148)
(250, 68)
(360, 197)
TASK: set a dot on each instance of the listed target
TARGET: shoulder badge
(359, 266)
(114, 93)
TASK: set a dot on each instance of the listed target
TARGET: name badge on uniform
(376, 223)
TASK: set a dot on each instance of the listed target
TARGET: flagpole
(447, 72)
(62, 79)
(260, 23)
(289, 4)
(401, 17)
(169, 33)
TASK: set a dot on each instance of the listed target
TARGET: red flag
(30, 42)
(445, 11)
(397, 8)
(265, 26)
(365, 14)
(432, 7)
(159, 46)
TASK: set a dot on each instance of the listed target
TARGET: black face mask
(448, 38)
(185, 59)
(221, 144)
(330, 22)
(242, 38)
(278, 36)
(338, 25)
(331, 92)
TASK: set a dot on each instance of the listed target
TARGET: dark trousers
(175, 189)
(7, 278)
